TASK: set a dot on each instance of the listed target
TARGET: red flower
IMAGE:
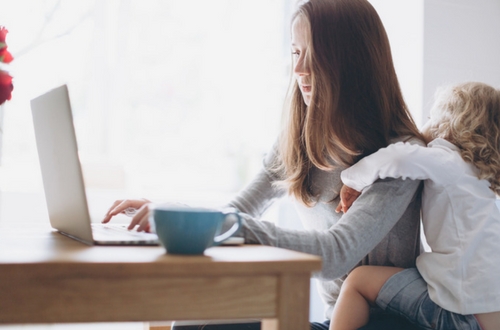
(5, 56)
(6, 86)
(3, 34)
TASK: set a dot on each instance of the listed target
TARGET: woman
(344, 103)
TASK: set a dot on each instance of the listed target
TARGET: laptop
(63, 179)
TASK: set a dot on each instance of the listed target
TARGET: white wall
(436, 42)
(461, 43)
(404, 23)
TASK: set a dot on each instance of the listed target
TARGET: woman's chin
(307, 99)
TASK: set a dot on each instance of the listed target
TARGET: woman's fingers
(144, 224)
(120, 206)
(109, 214)
(139, 218)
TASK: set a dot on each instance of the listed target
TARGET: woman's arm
(260, 193)
(380, 207)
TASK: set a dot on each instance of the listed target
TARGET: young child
(455, 285)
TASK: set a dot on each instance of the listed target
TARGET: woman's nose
(301, 69)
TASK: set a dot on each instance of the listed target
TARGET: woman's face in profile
(300, 42)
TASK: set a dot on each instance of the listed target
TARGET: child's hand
(347, 197)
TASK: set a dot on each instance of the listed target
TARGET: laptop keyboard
(118, 229)
(119, 232)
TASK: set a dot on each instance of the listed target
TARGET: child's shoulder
(443, 144)
(408, 139)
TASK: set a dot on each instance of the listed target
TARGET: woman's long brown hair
(356, 105)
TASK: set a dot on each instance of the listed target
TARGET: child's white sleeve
(399, 160)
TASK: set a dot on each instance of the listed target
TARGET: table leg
(293, 304)
(149, 326)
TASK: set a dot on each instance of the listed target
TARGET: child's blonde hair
(468, 115)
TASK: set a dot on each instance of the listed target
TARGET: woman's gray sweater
(381, 228)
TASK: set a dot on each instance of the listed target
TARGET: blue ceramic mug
(186, 230)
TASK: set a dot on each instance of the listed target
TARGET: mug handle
(222, 237)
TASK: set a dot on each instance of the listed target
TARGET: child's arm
(402, 160)
(399, 160)
(347, 196)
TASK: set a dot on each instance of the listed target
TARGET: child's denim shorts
(405, 294)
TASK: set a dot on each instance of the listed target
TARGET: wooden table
(48, 278)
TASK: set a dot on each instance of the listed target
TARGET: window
(175, 100)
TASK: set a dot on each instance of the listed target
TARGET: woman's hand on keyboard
(141, 218)
(138, 208)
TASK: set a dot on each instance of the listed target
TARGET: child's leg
(357, 294)
(489, 321)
